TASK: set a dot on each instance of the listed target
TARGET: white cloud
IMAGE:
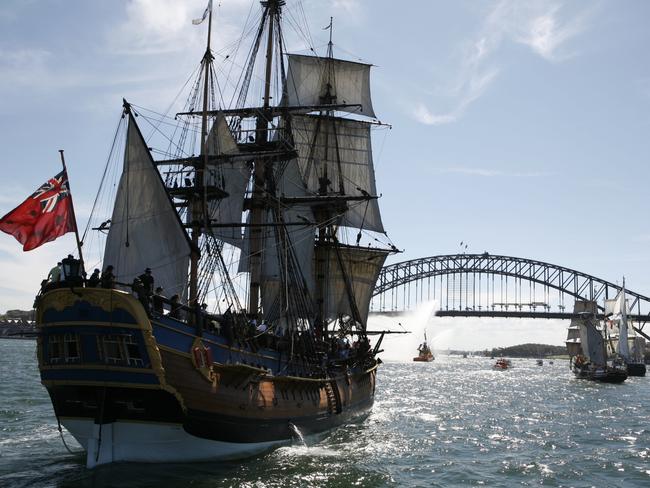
(536, 25)
(165, 26)
(471, 90)
(546, 35)
(156, 26)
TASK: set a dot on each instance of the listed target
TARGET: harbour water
(452, 422)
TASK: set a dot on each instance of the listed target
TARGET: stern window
(113, 350)
(133, 355)
(72, 348)
(121, 349)
(55, 349)
(64, 349)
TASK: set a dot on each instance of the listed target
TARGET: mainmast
(198, 213)
(262, 169)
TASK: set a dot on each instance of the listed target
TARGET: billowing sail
(580, 307)
(620, 315)
(362, 266)
(573, 341)
(309, 78)
(340, 151)
(145, 230)
(575, 334)
(593, 344)
(231, 175)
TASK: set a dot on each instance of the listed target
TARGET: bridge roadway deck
(522, 314)
(526, 314)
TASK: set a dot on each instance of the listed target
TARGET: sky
(520, 128)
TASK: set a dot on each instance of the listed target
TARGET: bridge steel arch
(469, 286)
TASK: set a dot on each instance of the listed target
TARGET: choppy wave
(446, 423)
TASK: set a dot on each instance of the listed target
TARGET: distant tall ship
(623, 340)
(586, 347)
(291, 187)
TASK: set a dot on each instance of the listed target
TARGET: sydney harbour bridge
(488, 285)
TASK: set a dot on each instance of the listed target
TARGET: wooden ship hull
(133, 388)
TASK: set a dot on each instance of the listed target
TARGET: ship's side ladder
(333, 397)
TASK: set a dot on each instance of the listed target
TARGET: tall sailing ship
(623, 341)
(290, 187)
(586, 347)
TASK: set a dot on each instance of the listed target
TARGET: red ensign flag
(44, 216)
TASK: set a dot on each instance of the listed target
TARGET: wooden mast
(76, 229)
(198, 213)
(261, 170)
(323, 216)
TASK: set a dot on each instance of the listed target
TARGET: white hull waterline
(153, 443)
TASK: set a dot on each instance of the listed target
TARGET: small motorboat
(502, 363)
(424, 352)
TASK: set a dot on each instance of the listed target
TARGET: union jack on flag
(50, 194)
(44, 216)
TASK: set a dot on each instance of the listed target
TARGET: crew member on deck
(158, 301)
(147, 281)
(175, 311)
(93, 281)
(54, 276)
(108, 278)
(139, 290)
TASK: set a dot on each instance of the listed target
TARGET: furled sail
(339, 150)
(231, 175)
(145, 230)
(310, 77)
(362, 267)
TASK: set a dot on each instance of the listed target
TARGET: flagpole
(76, 230)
